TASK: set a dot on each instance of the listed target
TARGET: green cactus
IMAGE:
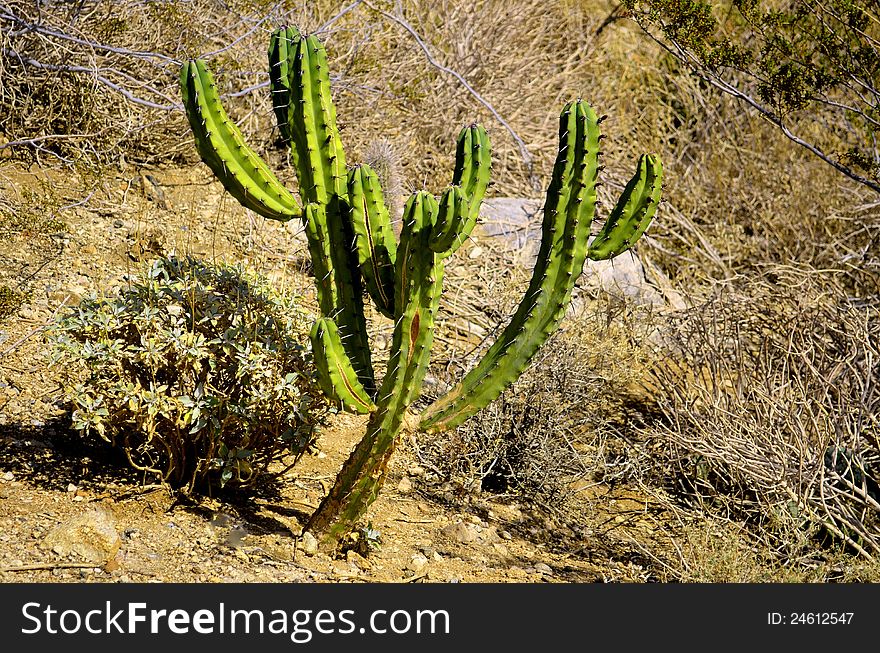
(353, 250)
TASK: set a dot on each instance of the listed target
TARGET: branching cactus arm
(633, 213)
(374, 237)
(473, 167)
(419, 277)
(352, 246)
(219, 142)
(568, 212)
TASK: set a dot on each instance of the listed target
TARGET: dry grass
(770, 395)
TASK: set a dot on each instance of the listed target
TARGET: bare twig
(524, 151)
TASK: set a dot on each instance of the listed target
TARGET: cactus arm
(451, 222)
(338, 290)
(321, 254)
(316, 149)
(419, 273)
(633, 212)
(319, 160)
(222, 147)
(473, 166)
(335, 372)
(568, 212)
(282, 44)
(374, 238)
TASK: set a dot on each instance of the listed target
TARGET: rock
(542, 568)
(460, 532)
(358, 561)
(405, 486)
(91, 535)
(417, 563)
(308, 544)
(516, 223)
(517, 572)
(71, 488)
(8, 476)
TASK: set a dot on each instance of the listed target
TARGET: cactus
(354, 250)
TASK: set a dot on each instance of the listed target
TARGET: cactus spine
(353, 248)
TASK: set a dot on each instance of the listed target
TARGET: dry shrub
(555, 427)
(771, 397)
(99, 78)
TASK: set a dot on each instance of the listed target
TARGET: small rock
(405, 486)
(416, 471)
(500, 548)
(516, 572)
(71, 487)
(8, 476)
(355, 559)
(91, 535)
(460, 532)
(308, 544)
(417, 563)
(542, 568)
(475, 252)
(506, 535)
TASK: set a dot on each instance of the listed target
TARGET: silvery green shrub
(200, 373)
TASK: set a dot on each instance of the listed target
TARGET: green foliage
(198, 372)
(801, 63)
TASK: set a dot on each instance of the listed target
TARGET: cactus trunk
(419, 278)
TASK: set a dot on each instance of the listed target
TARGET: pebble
(405, 486)
(308, 544)
(417, 563)
(542, 568)
(517, 572)
(460, 532)
(355, 559)
(8, 476)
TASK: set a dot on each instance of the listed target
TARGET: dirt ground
(49, 476)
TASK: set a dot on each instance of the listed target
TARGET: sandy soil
(49, 477)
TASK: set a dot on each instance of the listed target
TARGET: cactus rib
(633, 212)
(568, 212)
(222, 147)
